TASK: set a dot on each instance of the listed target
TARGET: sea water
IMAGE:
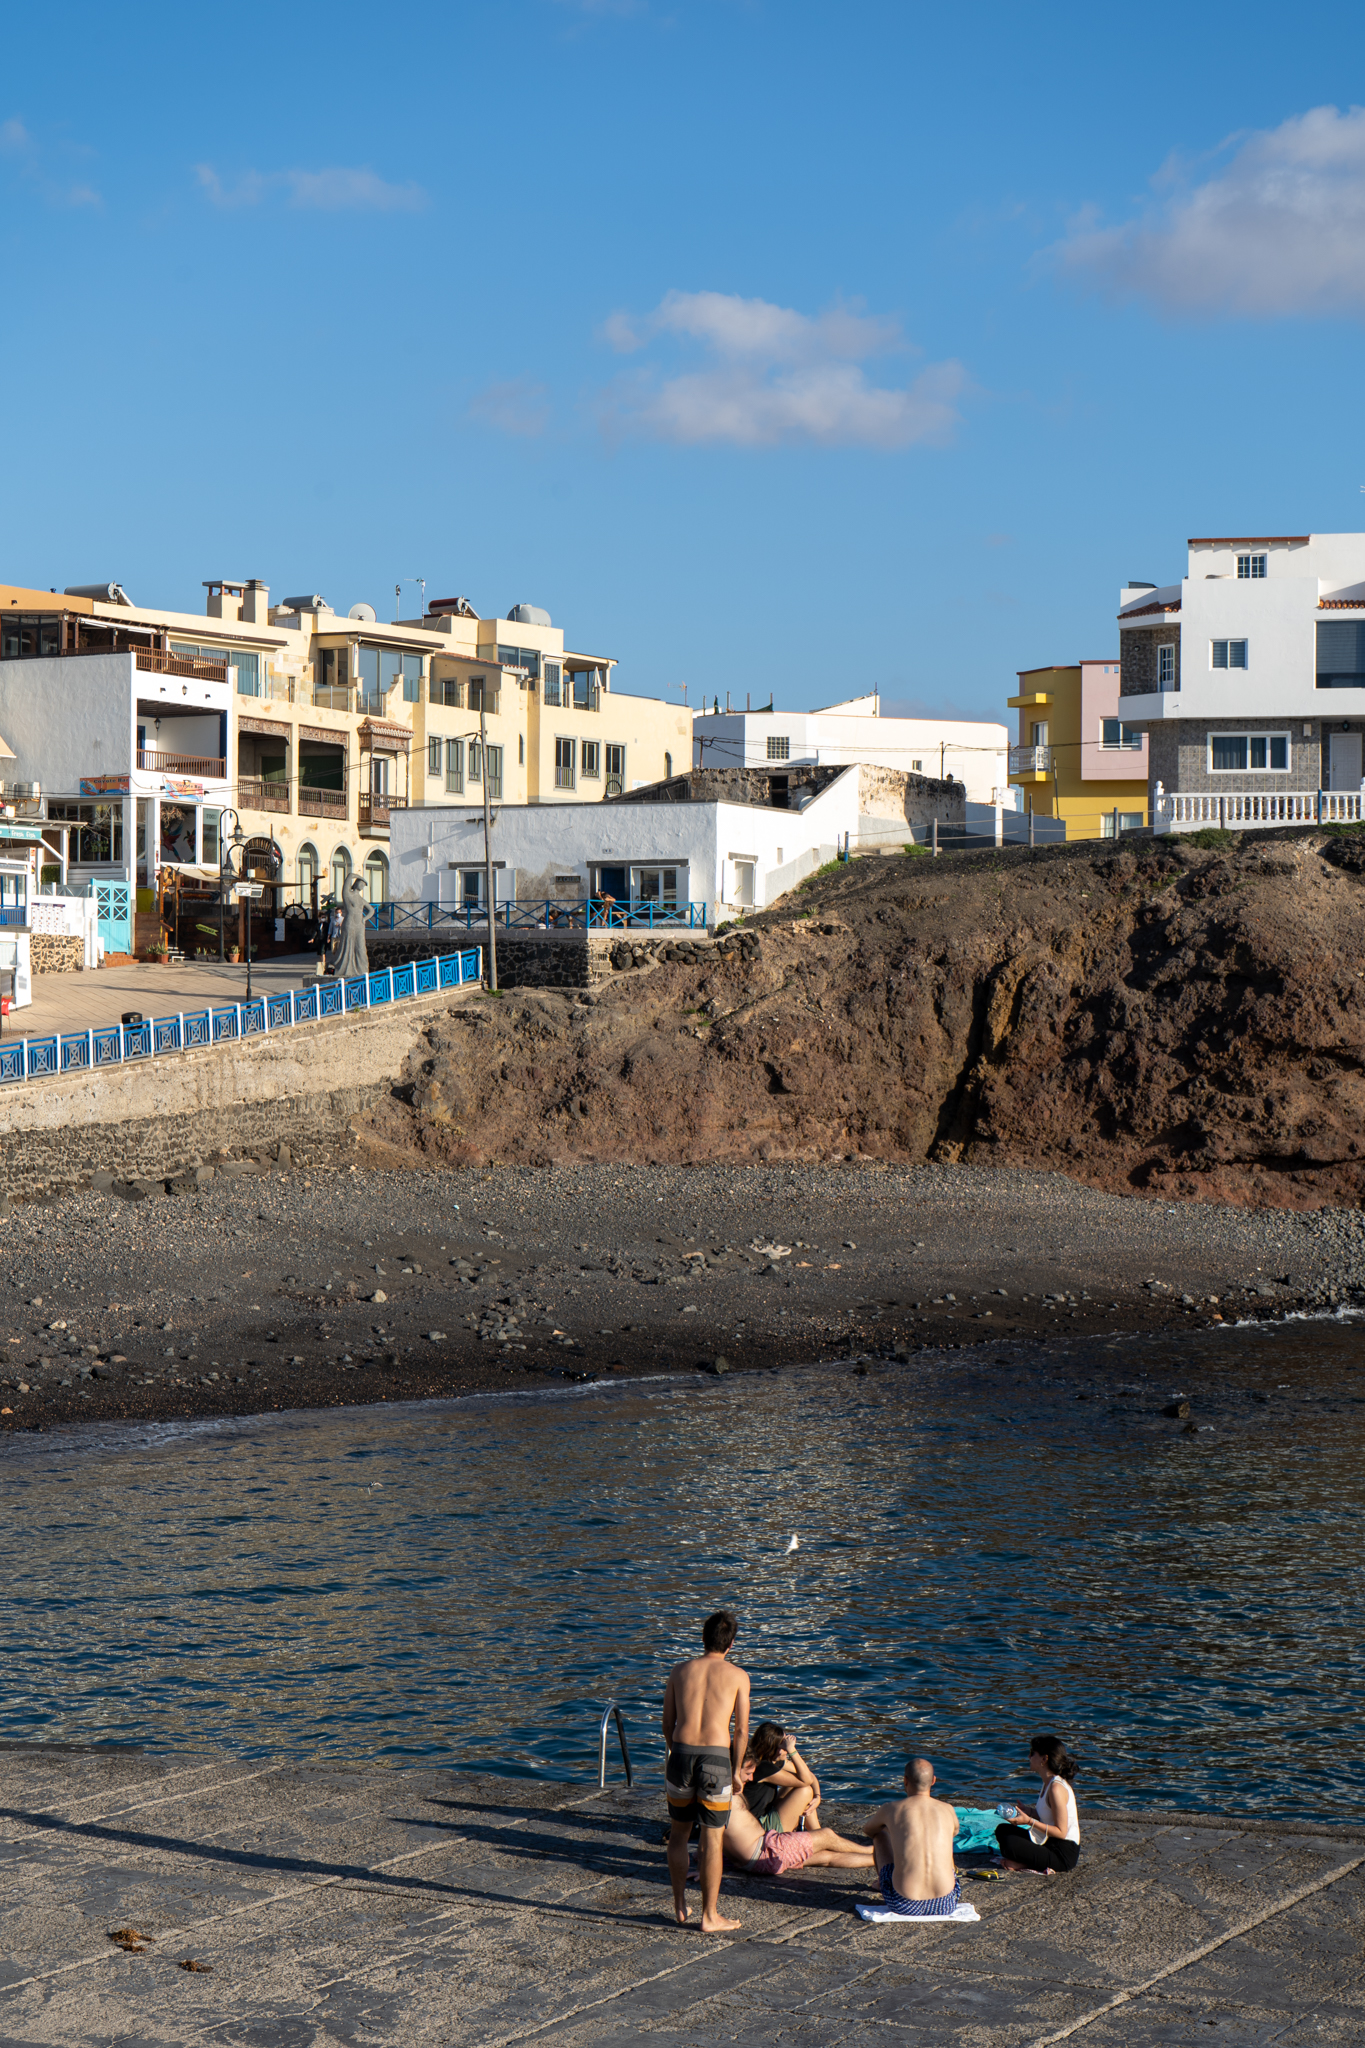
(991, 1545)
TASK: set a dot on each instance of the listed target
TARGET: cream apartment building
(143, 726)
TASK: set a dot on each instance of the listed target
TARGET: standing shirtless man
(912, 1846)
(702, 1699)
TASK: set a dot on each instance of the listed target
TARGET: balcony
(254, 793)
(1029, 700)
(322, 803)
(375, 807)
(333, 697)
(211, 767)
(188, 665)
(279, 689)
(1030, 761)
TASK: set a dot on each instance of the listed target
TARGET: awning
(268, 726)
(7, 753)
(324, 733)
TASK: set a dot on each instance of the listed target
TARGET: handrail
(608, 1711)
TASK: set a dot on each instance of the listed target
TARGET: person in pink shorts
(769, 1853)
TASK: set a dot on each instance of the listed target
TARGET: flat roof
(1250, 540)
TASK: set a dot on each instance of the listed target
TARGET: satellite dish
(364, 612)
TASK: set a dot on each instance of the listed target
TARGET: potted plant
(234, 954)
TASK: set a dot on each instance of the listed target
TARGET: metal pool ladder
(610, 1711)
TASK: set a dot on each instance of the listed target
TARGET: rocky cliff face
(1159, 1017)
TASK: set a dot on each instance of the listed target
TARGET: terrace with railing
(1249, 810)
(588, 913)
(375, 807)
(194, 668)
(256, 793)
(152, 761)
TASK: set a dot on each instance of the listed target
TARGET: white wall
(971, 751)
(68, 716)
(705, 839)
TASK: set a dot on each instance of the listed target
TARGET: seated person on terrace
(1053, 1840)
(783, 1792)
(912, 1840)
(769, 1853)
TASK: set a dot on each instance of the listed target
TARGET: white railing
(1030, 760)
(1187, 810)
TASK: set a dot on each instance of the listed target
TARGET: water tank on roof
(364, 612)
(528, 615)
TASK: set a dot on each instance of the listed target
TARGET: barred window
(779, 749)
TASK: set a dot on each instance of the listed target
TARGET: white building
(720, 855)
(972, 752)
(1248, 676)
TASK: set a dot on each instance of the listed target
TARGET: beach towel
(879, 1914)
(976, 1826)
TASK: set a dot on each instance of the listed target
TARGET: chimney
(255, 603)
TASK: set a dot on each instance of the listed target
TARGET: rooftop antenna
(421, 582)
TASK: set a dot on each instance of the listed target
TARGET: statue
(351, 956)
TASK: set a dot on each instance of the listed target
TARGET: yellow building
(1076, 759)
(142, 726)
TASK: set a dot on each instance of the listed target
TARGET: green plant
(830, 867)
(918, 852)
(1210, 835)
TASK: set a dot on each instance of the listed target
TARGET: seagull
(793, 1545)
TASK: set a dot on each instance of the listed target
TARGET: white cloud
(31, 162)
(1280, 229)
(518, 407)
(773, 375)
(15, 139)
(336, 189)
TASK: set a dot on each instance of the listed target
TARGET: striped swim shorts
(697, 1783)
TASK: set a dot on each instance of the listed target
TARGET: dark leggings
(1017, 1847)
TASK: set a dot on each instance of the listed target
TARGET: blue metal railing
(113, 1045)
(593, 913)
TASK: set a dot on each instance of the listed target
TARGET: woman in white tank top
(1053, 1840)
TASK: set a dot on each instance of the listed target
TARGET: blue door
(114, 911)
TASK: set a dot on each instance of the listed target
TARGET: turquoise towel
(976, 1826)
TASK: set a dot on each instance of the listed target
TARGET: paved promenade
(75, 1002)
(358, 1905)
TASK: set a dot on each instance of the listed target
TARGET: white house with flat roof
(970, 751)
(723, 855)
(1248, 677)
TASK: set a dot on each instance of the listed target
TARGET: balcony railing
(191, 666)
(322, 803)
(1030, 760)
(333, 696)
(255, 793)
(1250, 810)
(375, 808)
(153, 762)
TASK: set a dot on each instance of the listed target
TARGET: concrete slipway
(359, 1905)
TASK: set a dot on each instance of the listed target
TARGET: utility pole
(488, 853)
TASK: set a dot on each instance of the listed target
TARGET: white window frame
(590, 751)
(566, 772)
(1120, 745)
(1165, 670)
(1227, 663)
(1287, 737)
(1255, 569)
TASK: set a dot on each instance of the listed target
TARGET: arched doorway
(341, 870)
(377, 878)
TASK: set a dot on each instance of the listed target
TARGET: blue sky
(777, 348)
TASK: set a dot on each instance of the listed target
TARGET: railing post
(391, 994)
(121, 1047)
(90, 1049)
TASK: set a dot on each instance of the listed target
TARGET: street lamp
(225, 843)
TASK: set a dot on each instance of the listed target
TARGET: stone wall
(1137, 656)
(737, 786)
(56, 952)
(919, 799)
(300, 1087)
(1178, 757)
(526, 959)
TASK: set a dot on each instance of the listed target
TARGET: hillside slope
(1158, 1016)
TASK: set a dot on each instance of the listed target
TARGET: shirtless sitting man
(912, 1846)
(771, 1852)
(701, 1700)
